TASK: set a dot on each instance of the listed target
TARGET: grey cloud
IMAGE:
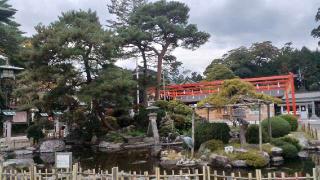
(231, 23)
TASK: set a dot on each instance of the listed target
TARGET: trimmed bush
(292, 120)
(289, 151)
(253, 159)
(252, 134)
(211, 145)
(279, 126)
(35, 132)
(278, 142)
(207, 131)
(284, 140)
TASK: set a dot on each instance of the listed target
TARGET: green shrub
(278, 142)
(124, 120)
(292, 141)
(292, 120)
(206, 131)
(35, 132)
(211, 145)
(114, 137)
(181, 122)
(279, 126)
(252, 134)
(136, 133)
(289, 151)
(253, 159)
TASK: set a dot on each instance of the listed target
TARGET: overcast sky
(231, 23)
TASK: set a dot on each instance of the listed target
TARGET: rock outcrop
(50, 146)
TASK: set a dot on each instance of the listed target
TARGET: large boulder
(18, 163)
(218, 160)
(276, 151)
(314, 142)
(277, 160)
(50, 146)
(48, 158)
(303, 155)
(108, 146)
(239, 163)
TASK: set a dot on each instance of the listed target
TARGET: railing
(206, 173)
(312, 132)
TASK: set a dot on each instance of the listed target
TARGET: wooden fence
(203, 174)
(312, 132)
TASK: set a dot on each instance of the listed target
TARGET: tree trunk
(243, 130)
(159, 70)
(86, 64)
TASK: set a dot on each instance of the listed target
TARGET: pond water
(141, 160)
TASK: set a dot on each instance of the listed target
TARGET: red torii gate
(281, 82)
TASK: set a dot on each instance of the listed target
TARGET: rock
(22, 152)
(310, 148)
(31, 148)
(314, 142)
(218, 160)
(239, 163)
(48, 158)
(21, 163)
(134, 140)
(168, 163)
(148, 140)
(276, 151)
(111, 146)
(50, 146)
(266, 156)
(303, 154)
(277, 160)
(240, 150)
(94, 139)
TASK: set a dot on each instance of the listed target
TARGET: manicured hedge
(289, 145)
(279, 126)
(206, 131)
(292, 120)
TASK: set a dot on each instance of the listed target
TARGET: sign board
(239, 112)
(63, 160)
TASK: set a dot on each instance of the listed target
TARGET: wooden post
(115, 173)
(215, 175)
(260, 129)
(208, 172)
(74, 171)
(1, 171)
(33, 172)
(157, 173)
(204, 172)
(249, 176)
(314, 174)
(258, 174)
(192, 133)
(269, 122)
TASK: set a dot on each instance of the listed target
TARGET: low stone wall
(14, 143)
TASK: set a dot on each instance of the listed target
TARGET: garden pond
(141, 160)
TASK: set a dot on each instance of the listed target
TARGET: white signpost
(63, 160)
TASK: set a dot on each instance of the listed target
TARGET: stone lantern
(153, 123)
